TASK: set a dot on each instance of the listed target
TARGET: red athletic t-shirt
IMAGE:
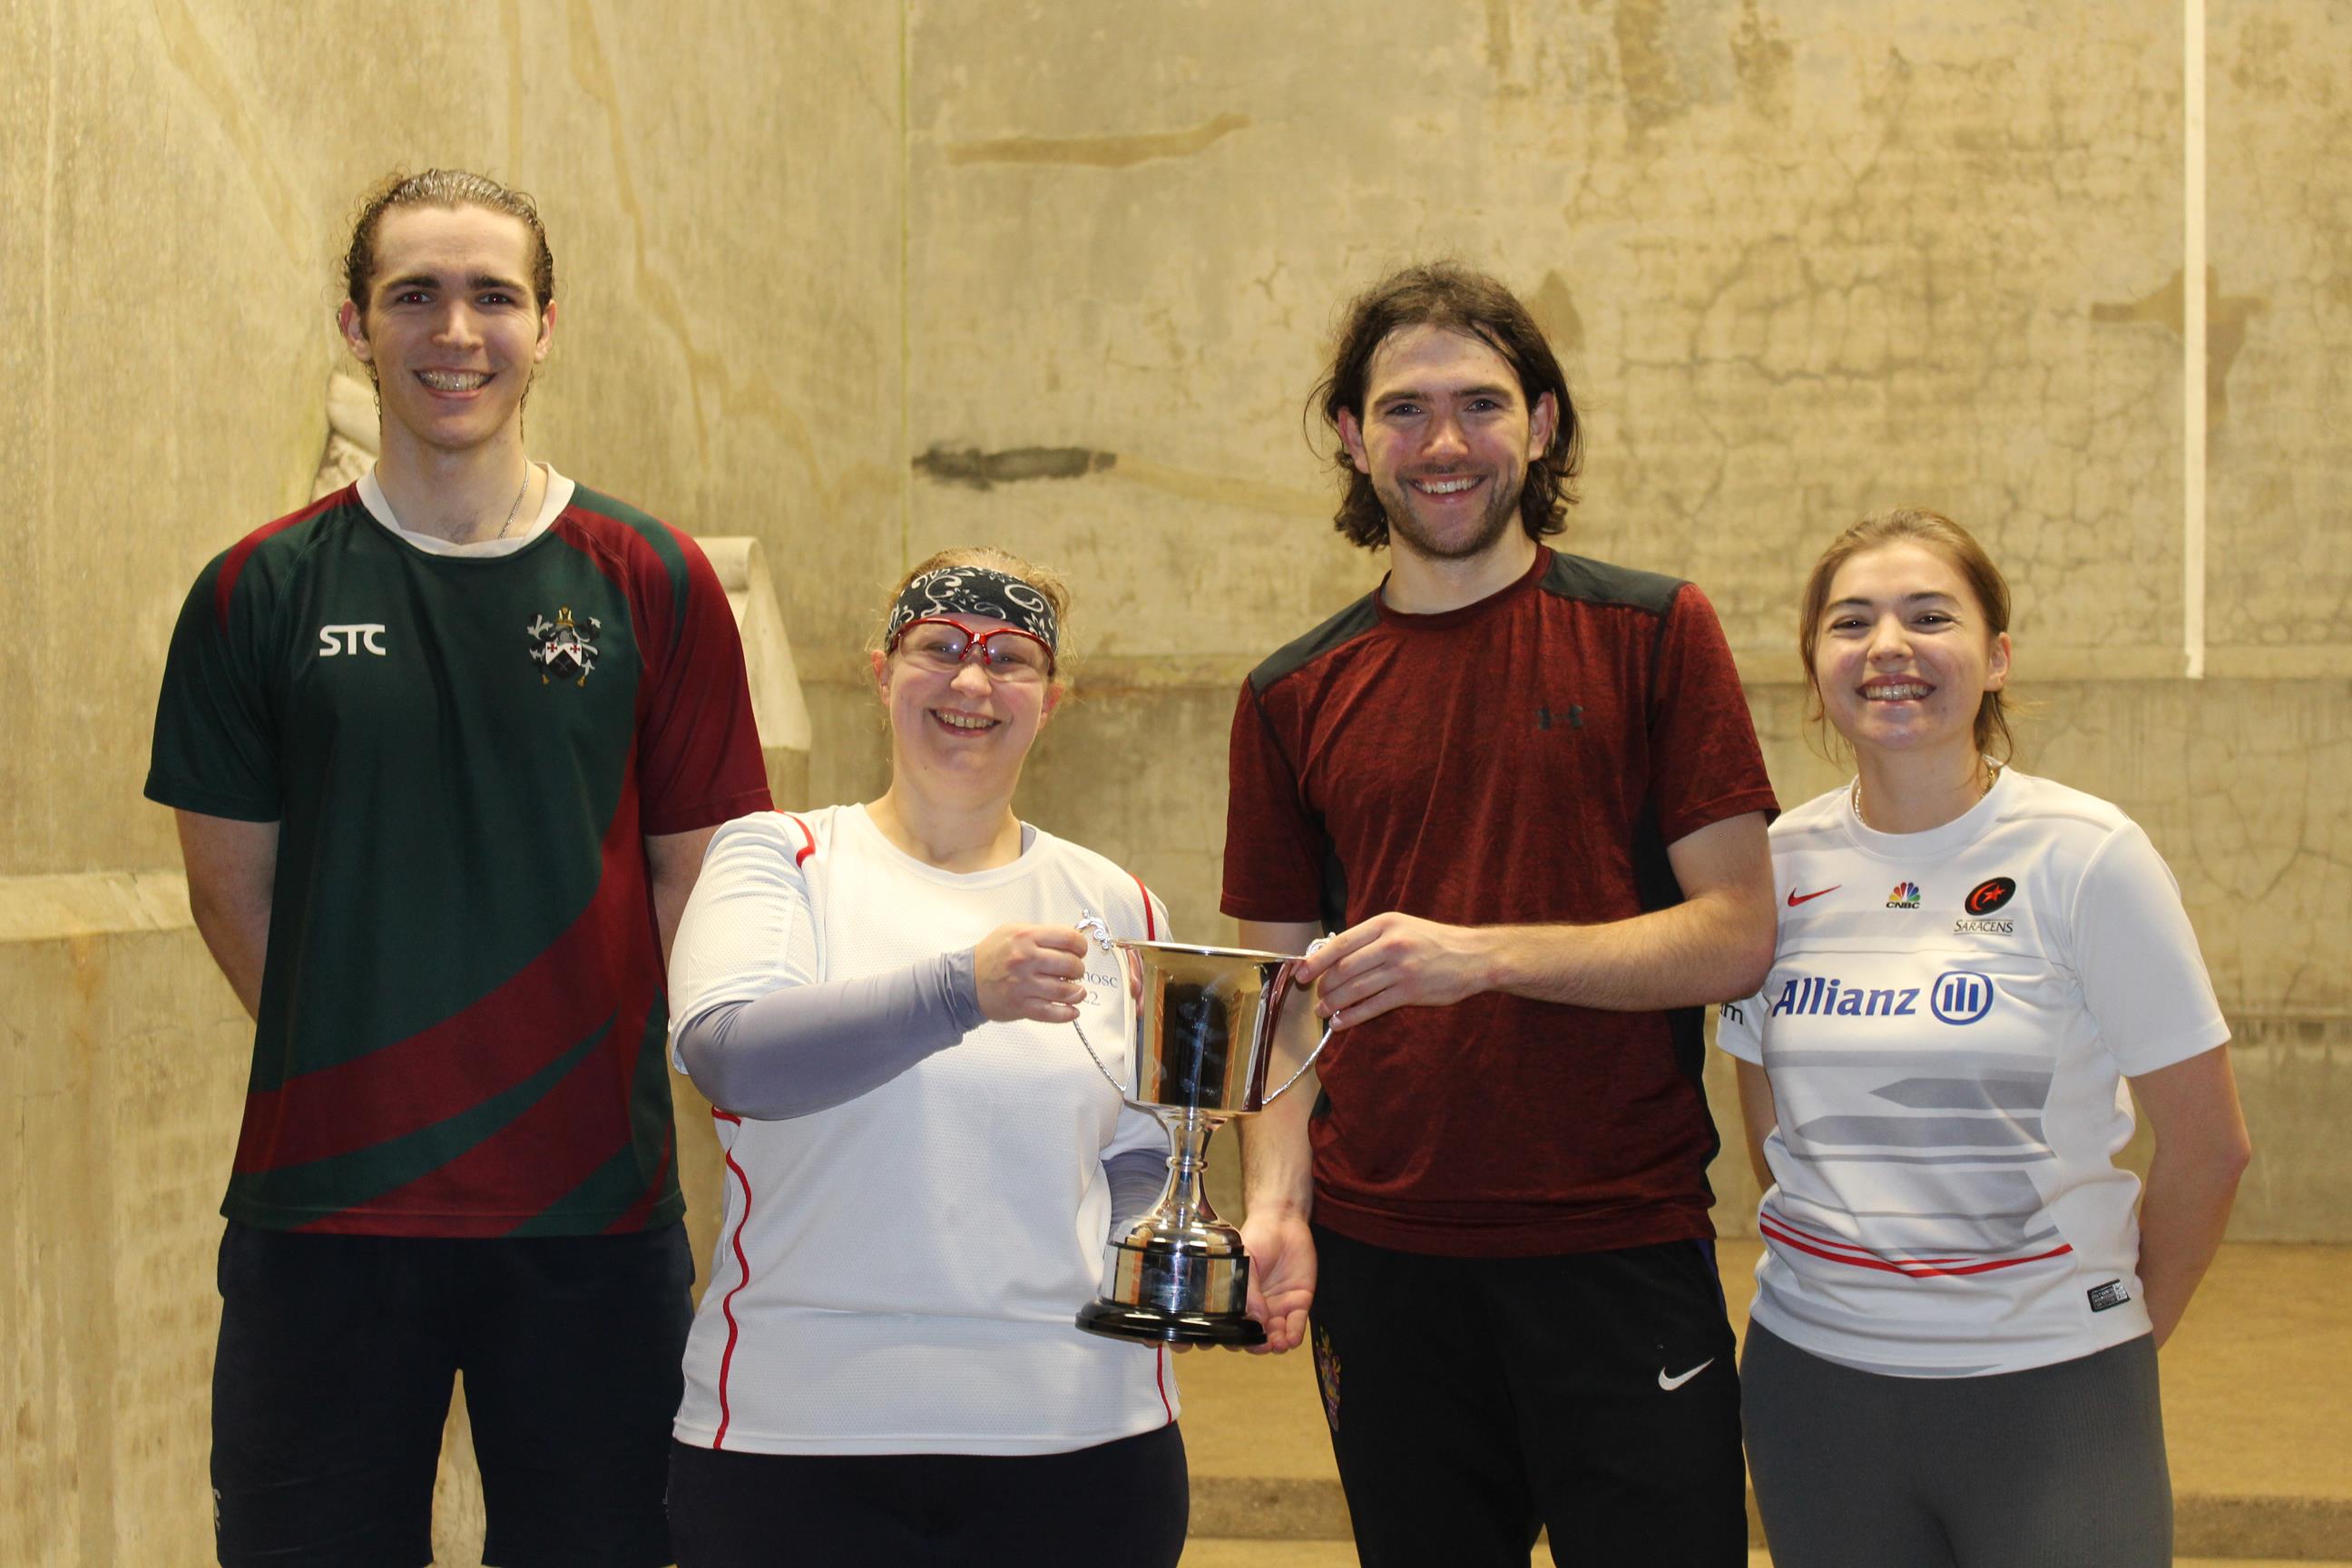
(1526, 759)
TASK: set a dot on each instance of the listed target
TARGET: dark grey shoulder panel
(1346, 627)
(1598, 583)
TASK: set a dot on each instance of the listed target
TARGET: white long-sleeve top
(899, 1273)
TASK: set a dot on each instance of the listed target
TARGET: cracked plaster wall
(1801, 261)
(722, 185)
(865, 281)
(179, 176)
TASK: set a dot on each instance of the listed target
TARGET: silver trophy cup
(1201, 1045)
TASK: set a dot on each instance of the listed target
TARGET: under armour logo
(1573, 718)
(355, 638)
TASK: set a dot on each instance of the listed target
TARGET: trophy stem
(1184, 1200)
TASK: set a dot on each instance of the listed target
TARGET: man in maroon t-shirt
(1524, 790)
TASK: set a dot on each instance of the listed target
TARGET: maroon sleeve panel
(1271, 840)
(698, 759)
(1705, 764)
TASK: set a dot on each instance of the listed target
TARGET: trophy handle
(1309, 1062)
(1282, 987)
(1092, 925)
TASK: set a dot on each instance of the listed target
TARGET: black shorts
(1473, 1401)
(1124, 1502)
(332, 1387)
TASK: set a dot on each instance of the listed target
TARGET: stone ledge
(2283, 1528)
(92, 903)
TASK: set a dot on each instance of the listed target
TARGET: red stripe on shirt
(638, 1214)
(534, 1016)
(1150, 921)
(743, 1278)
(807, 849)
(1804, 1233)
(1161, 1375)
(232, 564)
(1773, 1232)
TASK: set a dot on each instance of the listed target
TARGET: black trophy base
(1156, 1326)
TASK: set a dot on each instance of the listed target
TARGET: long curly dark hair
(1449, 295)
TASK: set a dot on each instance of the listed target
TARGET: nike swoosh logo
(1795, 898)
(1671, 1384)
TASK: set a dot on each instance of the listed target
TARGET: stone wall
(861, 280)
(1802, 262)
(723, 188)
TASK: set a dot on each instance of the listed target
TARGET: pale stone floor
(2257, 1395)
(1339, 1554)
(2258, 1415)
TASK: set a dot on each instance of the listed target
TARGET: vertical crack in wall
(511, 24)
(201, 66)
(2195, 405)
(710, 377)
(906, 302)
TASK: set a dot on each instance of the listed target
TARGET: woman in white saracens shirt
(922, 1162)
(1952, 1352)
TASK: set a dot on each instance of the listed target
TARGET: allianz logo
(1958, 997)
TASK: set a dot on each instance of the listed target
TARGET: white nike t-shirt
(902, 1273)
(1947, 1026)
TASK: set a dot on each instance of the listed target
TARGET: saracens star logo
(566, 648)
(1989, 895)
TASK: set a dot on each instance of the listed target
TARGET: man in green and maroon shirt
(445, 749)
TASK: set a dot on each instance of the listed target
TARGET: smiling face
(962, 728)
(1905, 653)
(1445, 436)
(452, 331)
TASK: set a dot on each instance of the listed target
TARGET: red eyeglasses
(1008, 653)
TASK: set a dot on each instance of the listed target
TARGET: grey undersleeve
(804, 1049)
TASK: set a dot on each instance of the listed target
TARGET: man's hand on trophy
(1030, 971)
(1282, 1276)
(1395, 961)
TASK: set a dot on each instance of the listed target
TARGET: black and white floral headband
(974, 591)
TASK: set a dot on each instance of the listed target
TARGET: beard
(1406, 526)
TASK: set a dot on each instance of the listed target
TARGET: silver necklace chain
(516, 505)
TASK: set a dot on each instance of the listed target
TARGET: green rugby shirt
(462, 1013)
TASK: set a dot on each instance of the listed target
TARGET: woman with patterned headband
(923, 1165)
(1951, 1359)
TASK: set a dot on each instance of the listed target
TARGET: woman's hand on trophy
(1282, 1276)
(1030, 971)
(1392, 961)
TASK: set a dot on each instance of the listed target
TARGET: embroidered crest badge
(566, 648)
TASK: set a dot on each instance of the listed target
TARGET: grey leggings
(2051, 1467)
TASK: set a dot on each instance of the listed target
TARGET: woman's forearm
(2201, 1148)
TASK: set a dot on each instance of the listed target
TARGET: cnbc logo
(1905, 896)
